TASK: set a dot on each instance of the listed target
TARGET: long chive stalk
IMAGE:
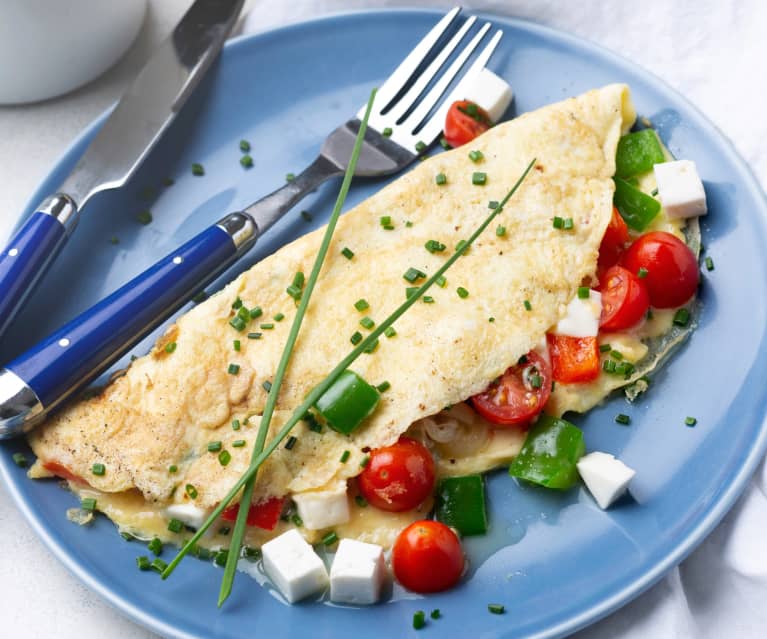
(322, 387)
(271, 401)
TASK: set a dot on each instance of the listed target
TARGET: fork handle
(272, 207)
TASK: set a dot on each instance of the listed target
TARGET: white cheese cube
(188, 514)
(358, 573)
(323, 508)
(606, 477)
(293, 566)
(491, 93)
(680, 189)
(581, 317)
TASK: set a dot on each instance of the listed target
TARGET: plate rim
(599, 609)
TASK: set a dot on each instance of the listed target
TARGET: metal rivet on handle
(13, 252)
(64, 342)
(178, 260)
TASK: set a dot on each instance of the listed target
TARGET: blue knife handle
(89, 344)
(31, 251)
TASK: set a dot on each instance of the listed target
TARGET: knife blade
(134, 127)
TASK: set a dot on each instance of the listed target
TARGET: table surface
(712, 51)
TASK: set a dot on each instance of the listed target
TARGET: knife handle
(85, 347)
(31, 251)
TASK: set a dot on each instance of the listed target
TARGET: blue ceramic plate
(555, 560)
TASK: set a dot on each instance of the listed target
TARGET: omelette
(151, 427)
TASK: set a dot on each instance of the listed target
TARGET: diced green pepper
(347, 403)
(548, 457)
(637, 153)
(461, 504)
(636, 208)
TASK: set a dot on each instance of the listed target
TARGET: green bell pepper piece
(548, 457)
(461, 504)
(638, 153)
(348, 402)
(636, 208)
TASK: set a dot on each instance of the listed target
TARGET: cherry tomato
(672, 270)
(62, 471)
(398, 477)
(464, 122)
(264, 515)
(613, 243)
(573, 359)
(624, 299)
(427, 557)
(519, 394)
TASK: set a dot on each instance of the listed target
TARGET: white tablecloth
(714, 52)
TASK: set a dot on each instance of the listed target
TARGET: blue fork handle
(31, 251)
(85, 347)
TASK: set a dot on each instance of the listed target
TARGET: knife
(138, 121)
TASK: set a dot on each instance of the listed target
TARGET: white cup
(50, 47)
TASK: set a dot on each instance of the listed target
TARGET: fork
(410, 110)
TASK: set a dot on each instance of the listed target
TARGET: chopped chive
(170, 347)
(709, 264)
(409, 224)
(420, 146)
(390, 332)
(536, 381)
(654, 192)
(197, 169)
(172, 469)
(492, 204)
(254, 335)
(236, 344)
(98, 469)
(682, 317)
(496, 609)
(558, 222)
(306, 216)
(690, 421)
(528, 305)
(174, 525)
(144, 217)
(233, 369)
(279, 317)
(360, 501)
(444, 143)
(347, 253)
(462, 247)
(214, 447)
(476, 156)
(356, 338)
(143, 562)
(435, 614)
(568, 224)
(345, 456)
(419, 619)
(383, 387)
(155, 546)
(244, 146)
(385, 220)
(500, 231)
(224, 457)
(490, 319)
(522, 360)
(584, 292)
(251, 554)
(616, 355)
(255, 312)
(367, 323)
(237, 304)
(246, 161)
(266, 327)
(243, 313)
(330, 538)
(238, 443)
(478, 178)
(158, 565)
(291, 442)
(428, 299)
(290, 177)
(604, 348)
(365, 461)
(220, 557)
(361, 304)
(370, 348)
(433, 246)
(237, 323)
(387, 132)
(200, 297)
(88, 503)
(20, 459)
(642, 272)
(462, 292)
(441, 179)
(608, 366)
(441, 281)
(620, 418)
(191, 491)
(412, 275)
(296, 518)
(267, 385)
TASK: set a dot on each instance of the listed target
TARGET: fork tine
(399, 78)
(409, 99)
(432, 128)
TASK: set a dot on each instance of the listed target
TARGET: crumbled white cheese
(188, 514)
(323, 508)
(491, 93)
(293, 566)
(358, 573)
(680, 189)
(606, 477)
(581, 316)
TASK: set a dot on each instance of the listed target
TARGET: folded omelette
(168, 406)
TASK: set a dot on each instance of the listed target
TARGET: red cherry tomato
(62, 471)
(464, 122)
(573, 359)
(613, 243)
(519, 394)
(427, 557)
(672, 270)
(624, 299)
(398, 477)
(264, 515)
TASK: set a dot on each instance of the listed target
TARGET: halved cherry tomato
(464, 122)
(672, 270)
(263, 515)
(427, 557)
(614, 242)
(624, 299)
(573, 359)
(62, 471)
(398, 477)
(519, 394)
